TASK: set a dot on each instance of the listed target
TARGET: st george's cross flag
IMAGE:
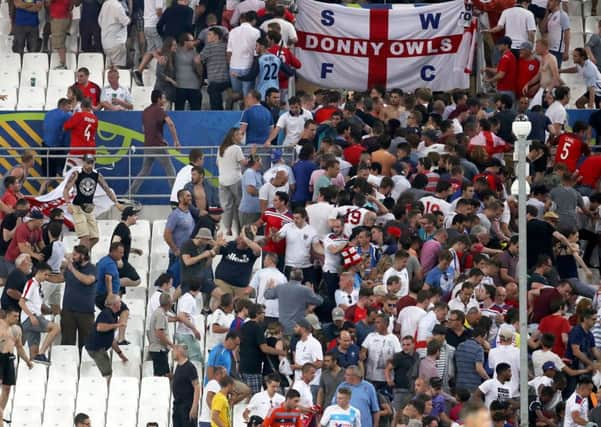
(401, 46)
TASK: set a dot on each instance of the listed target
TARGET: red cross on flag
(405, 46)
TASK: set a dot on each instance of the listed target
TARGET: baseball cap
(204, 233)
(129, 211)
(526, 45)
(89, 158)
(550, 215)
(506, 333)
(313, 320)
(380, 291)
(304, 323)
(35, 214)
(549, 365)
(504, 40)
(337, 314)
(276, 155)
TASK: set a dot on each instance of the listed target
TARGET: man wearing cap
(27, 239)
(128, 276)
(504, 76)
(546, 379)
(308, 350)
(196, 257)
(507, 352)
(84, 181)
(292, 122)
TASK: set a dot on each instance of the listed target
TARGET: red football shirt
(274, 221)
(569, 150)
(83, 126)
(555, 325)
(527, 69)
(90, 91)
(23, 234)
(352, 153)
(508, 64)
(324, 113)
(590, 171)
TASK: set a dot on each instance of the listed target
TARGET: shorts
(153, 40)
(116, 56)
(236, 291)
(206, 286)
(85, 223)
(190, 341)
(597, 98)
(7, 369)
(137, 21)
(128, 272)
(59, 29)
(160, 363)
(52, 293)
(103, 361)
(32, 334)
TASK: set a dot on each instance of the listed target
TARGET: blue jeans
(239, 85)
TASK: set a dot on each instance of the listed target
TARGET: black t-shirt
(251, 357)
(8, 223)
(124, 233)
(183, 389)
(16, 280)
(540, 240)
(236, 265)
(194, 270)
(102, 340)
(202, 221)
(403, 369)
(595, 121)
(454, 340)
(85, 184)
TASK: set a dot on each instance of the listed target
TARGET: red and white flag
(54, 199)
(403, 46)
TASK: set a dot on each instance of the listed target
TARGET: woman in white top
(230, 160)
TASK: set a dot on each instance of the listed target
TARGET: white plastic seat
(141, 96)
(106, 227)
(131, 368)
(56, 416)
(65, 384)
(149, 78)
(9, 83)
(72, 44)
(160, 261)
(121, 414)
(576, 40)
(66, 370)
(123, 389)
(66, 353)
(124, 77)
(141, 229)
(34, 377)
(26, 416)
(149, 413)
(71, 62)
(590, 24)
(574, 8)
(34, 78)
(136, 307)
(61, 78)
(137, 293)
(35, 61)
(31, 98)
(10, 61)
(94, 62)
(60, 399)
(4, 26)
(155, 391)
(87, 367)
(53, 94)
(576, 24)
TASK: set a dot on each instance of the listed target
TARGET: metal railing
(120, 166)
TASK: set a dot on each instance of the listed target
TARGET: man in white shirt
(464, 299)
(241, 44)
(304, 385)
(438, 202)
(591, 76)
(287, 30)
(184, 175)
(209, 390)
(333, 244)
(508, 353)
(163, 284)
(292, 122)
(426, 325)
(267, 191)
(219, 321)
(556, 25)
(185, 329)
(410, 316)
(497, 388)
(321, 213)
(260, 281)
(519, 25)
(342, 413)
(576, 413)
(153, 9)
(377, 349)
(399, 269)
(115, 97)
(32, 320)
(308, 350)
(113, 22)
(263, 402)
(346, 295)
(556, 112)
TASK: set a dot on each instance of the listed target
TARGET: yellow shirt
(221, 404)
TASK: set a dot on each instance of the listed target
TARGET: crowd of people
(387, 288)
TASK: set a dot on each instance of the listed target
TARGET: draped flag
(54, 199)
(407, 47)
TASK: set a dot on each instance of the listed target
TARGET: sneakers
(60, 67)
(41, 359)
(124, 342)
(138, 77)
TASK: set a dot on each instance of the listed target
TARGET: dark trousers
(53, 166)
(215, 90)
(309, 274)
(592, 240)
(100, 300)
(26, 36)
(75, 327)
(181, 415)
(193, 96)
(89, 34)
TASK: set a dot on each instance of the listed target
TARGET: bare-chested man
(395, 107)
(548, 71)
(10, 337)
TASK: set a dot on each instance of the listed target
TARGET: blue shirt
(363, 398)
(586, 342)
(26, 18)
(181, 225)
(219, 356)
(468, 353)
(269, 67)
(259, 123)
(107, 266)
(102, 340)
(78, 297)
(250, 204)
(302, 175)
(351, 357)
(54, 134)
(441, 279)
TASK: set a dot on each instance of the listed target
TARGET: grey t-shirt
(185, 76)
(158, 320)
(594, 44)
(566, 199)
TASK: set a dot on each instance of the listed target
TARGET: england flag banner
(407, 47)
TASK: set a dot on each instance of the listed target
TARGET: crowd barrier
(120, 146)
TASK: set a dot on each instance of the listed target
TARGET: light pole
(521, 129)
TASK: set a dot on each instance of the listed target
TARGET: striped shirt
(215, 58)
(468, 353)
